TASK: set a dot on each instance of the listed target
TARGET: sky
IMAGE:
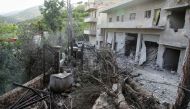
(7, 6)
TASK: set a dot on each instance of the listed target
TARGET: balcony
(90, 19)
(131, 25)
(90, 7)
(90, 32)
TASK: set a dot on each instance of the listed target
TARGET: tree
(53, 14)
(79, 14)
(8, 30)
(183, 97)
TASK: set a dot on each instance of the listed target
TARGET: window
(110, 19)
(117, 18)
(156, 17)
(148, 14)
(132, 16)
(96, 42)
(122, 18)
(101, 43)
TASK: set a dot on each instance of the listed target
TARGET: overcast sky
(7, 6)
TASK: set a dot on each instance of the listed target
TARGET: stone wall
(10, 97)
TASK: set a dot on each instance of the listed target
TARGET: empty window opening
(156, 18)
(148, 14)
(114, 42)
(130, 45)
(122, 18)
(110, 19)
(171, 59)
(95, 14)
(132, 16)
(118, 19)
(177, 19)
(151, 53)
(101, 43)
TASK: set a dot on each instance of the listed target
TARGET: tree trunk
(183, 97)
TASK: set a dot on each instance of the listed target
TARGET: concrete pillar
(139, 43)
(161, 50)
(57, 59)
(181, 61)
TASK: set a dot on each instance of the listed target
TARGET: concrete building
(95, 18)
(149, 31)
(91, 8)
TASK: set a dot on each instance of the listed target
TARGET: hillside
(7, 19)
(26, 14)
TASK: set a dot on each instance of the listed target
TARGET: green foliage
(53, 14)
(10, 69)
(79, 14)
(8, 30)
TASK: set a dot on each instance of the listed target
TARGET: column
(139, 43)
(161, 50)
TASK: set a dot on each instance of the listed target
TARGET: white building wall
(140, 20)
(165, 37)
(92, 40)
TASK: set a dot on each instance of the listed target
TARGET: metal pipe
(33, 90)
(33, 102)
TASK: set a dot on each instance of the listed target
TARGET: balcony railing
(90, 32)
(90, 19)
(90, 7)
(130, 24)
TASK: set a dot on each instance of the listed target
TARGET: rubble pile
(102, 84)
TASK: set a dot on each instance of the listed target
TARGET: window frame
(118, 18)
(131, 17)
(110, 19)
(148, 14)
(122, 18)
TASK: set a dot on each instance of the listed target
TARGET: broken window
(118, 19)
(132, 16)
(177, 19)
(156, 17)
(130, 44)
(148, 14)
(110, 19)
(171, 59)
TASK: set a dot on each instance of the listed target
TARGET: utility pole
(70, 32)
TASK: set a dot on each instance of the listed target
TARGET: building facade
(95, 18)
(91, 8)
(151, 32)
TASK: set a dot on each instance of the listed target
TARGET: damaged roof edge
(178, 6)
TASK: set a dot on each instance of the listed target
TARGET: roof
(8, 40)
(123, 4)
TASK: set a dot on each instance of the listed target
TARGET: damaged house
(151, 32)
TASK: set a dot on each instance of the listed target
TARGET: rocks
(78, 85)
